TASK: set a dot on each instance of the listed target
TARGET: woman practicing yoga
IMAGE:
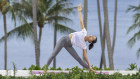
(79, 39)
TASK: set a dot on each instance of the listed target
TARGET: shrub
(132, 66)
(33, 67)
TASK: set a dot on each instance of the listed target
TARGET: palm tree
(107, 35)
(57, 13)
(5, 7)
(115, 21)
(102, 38)
(55, 36)
(48, 11)
(35, 31)
(135, 25)
(85, 12)
(85, 17)
(45, 14)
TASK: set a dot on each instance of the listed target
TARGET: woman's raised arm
(80, 16)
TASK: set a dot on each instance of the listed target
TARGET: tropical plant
(14, 67)
(85, 18)
(107, 35)
(5, 8)
(65, 11)
(77, 73)
(102, 37)
(37, 50)
(45, 15)
(132, 66)
(115, 26)
(134, 26)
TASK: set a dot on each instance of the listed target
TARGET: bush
(77, 73)
(33, 67)
(133, 66)
(24, 68)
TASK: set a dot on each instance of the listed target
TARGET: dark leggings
(66, 43)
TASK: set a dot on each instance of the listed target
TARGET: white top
(78, 38)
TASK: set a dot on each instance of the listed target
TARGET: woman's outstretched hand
(92, 70)
(79, 7)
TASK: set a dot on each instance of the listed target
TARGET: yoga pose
(79, 39)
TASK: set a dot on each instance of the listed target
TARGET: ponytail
(92, 44)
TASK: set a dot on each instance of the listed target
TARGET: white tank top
(78, 39)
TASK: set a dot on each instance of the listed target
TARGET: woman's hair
(92, 44)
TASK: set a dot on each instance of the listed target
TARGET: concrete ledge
(27, 73)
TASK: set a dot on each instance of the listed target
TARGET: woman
(77, 38)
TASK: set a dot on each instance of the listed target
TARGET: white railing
(27, 73)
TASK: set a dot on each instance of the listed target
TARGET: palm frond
(22, 32)
(132, 41)
(24, 8)
(48, 3)
(63, 29)
(13, 15)
(41, 6)
(67, 11)
(137, 17)
(58, 7)
(138, 53)
(134, 8)
(133, 27)
(59, 19)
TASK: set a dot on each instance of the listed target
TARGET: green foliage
(59, 68)
(96, 68)
(24, 68)
(67, 69)
(77, 73)
(0, 76)
(134, 26)
(46, 10)
(132, 66)
(52, 68)
(45, 67)
(107, 68)
(76, 70)
(14, 66)
(33, 67)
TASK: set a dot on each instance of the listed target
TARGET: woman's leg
(58, 47)
(76, 56)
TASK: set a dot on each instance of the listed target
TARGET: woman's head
(91, 39)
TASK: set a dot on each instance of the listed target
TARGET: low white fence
(27, 73)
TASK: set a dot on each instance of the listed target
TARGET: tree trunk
(40, 35)
(85, 13)
(85, 17)
(102, 43)
(107, 35)
(103, 59)
(55, 37)
(5, 44)
(35, 32)
(115, 20)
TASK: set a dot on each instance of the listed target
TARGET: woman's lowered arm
(86, 59)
